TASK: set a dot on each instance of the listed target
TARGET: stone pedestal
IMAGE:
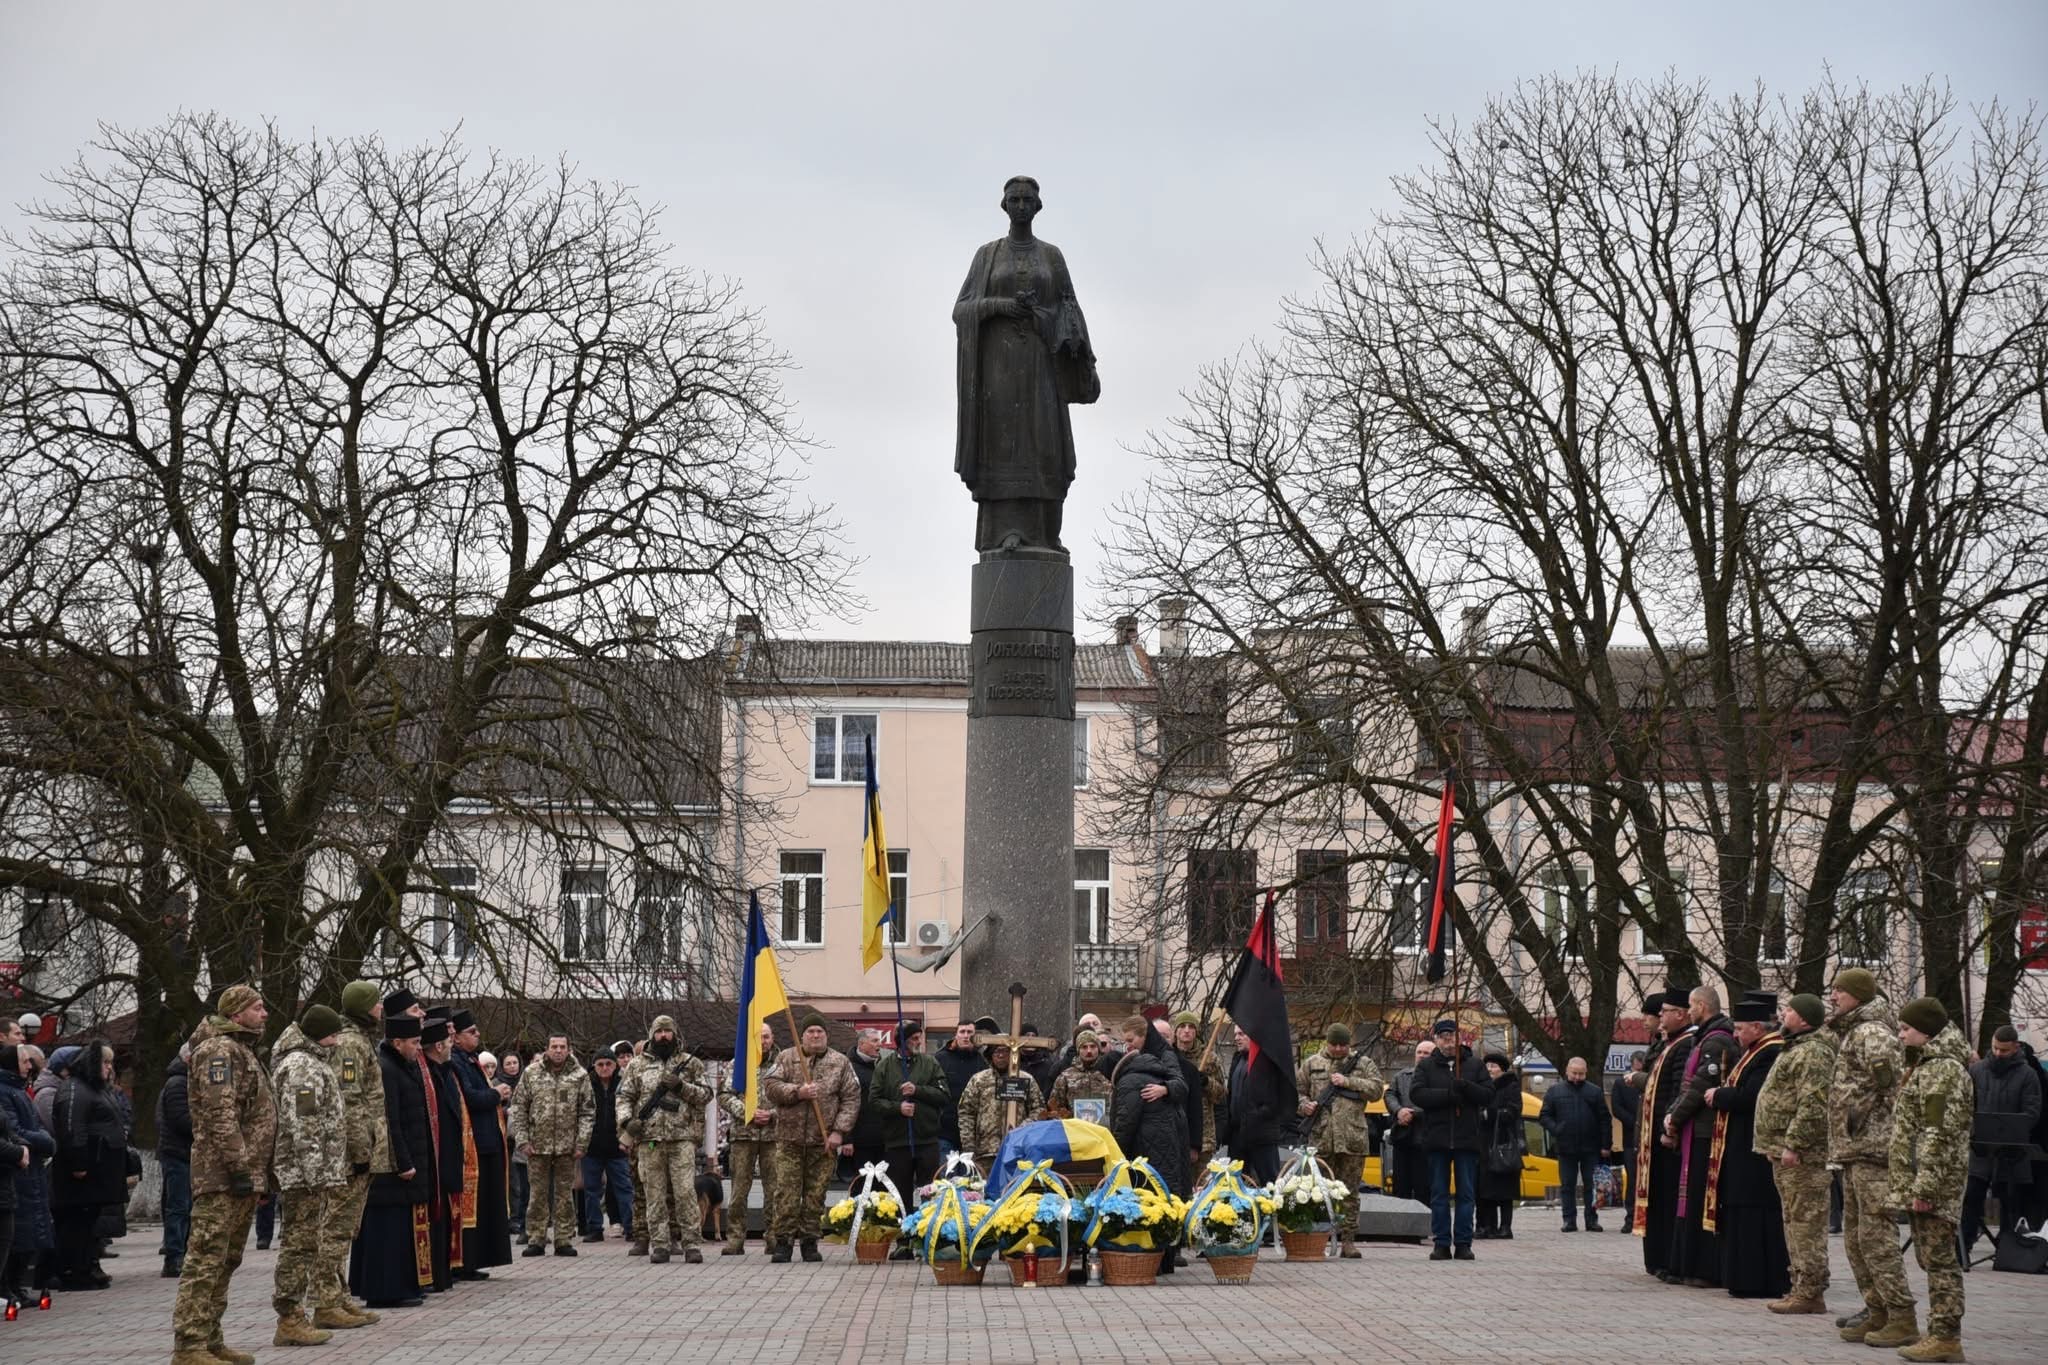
(1020, 788)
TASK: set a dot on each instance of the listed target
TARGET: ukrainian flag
(761, 995)
(1054, 1140)
(874, 876)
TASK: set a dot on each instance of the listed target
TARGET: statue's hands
(1012, 308)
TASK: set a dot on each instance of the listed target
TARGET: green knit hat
(1927, 1014)
(1187, 1019)
(319, 1022)
(1338, 1033)
(1859, 982)
(1809, 1008)
(814, 1020)
(358, 998)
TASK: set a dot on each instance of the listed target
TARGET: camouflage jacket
(232, 1122)
(981, 1113)
(354, 1060)
(1792, 1108)
(312, 1121)
(1214, 1092)
(838, 1097)
(1866, 1080)
(735, 1106)
(1930, 1138)
(1078, 1082)
(679, 1092)
(1339, 1125)
(553, 1111)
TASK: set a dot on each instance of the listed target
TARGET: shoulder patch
(217, 1071)
(348, 1071)
(1937, 1110)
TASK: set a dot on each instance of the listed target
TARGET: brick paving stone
(1544, 1297)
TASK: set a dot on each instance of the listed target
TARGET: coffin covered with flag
(1056, 1140)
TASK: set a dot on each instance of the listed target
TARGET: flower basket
(1227, 1219)
(1233, 1269)
(870, 1217)
(1307, 1198)
(943, 1227)
(955, 1272)
(1131, 1211)
(1305, 1246)
(1129, 1267)
(873, 1250)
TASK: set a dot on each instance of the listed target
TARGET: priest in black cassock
(1695, 1259)
(444, 1116)
(392, 1259)
(1742, 1210)
(486, 1220)
(1655, 1178)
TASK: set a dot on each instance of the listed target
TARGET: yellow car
(1539, 1166)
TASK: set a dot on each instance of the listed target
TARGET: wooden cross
(1016, 1040)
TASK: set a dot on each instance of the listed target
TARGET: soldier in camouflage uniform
(1866, 1082)
(310, 1164)
(1335, 1087)
(660, 1111)
(553, 1113)
(1792, 1134)
(1187, 1039)
(1081, 1081)
(982, 1128)
(1930, 1164)
(354, 1061)
(752, 1144)
(232, 1127)
(804, 1156)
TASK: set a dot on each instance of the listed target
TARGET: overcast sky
(842, 161)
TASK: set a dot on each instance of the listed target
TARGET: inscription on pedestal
(1023, 673)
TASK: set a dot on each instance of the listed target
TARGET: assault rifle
(1343, 1068)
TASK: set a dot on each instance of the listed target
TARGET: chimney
(1473, 624)
(640, 633)
(1127, 630)
(747, 627)
(1173, 625)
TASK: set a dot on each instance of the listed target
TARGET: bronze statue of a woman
(1023, 355)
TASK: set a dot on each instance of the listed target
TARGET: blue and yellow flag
(1054, 1140)
(874, 874)
(761, 995)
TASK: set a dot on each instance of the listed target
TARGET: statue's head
(1020, 198)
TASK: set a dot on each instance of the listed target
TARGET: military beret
(237, 998)
(318, 1022)
(1927, 1014)
(433, 1031)
(1338, 1033)
(1859, 982)
(399, 1001)
(814, 1020)
(1810, 1008)
(401, 1026)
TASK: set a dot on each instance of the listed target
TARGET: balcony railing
(1106, 967)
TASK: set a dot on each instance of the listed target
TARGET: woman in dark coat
(14, 1157)
(392, 1260)
(34, 1234)
(1148, 1110)
(1500, 1127)
(91, 1168)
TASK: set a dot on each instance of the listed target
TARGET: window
(1775, 943)
(1091, 895)
(1681, 885)
(1407, 916)
(660, 903)
(1567, 916)
(803, 897)
(583, 904)
(1222, 897)
(1322, 900)
(452, 918)
(896, 928)
(1861, 916)
(1080, 751)
(42, 922)
(1322, 742)
(839, 748)
(1191, 720)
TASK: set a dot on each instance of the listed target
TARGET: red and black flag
(1257, 1003)
(1443, 885)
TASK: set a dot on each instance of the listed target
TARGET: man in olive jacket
(232, 1128)
(908, 1100)
(1792, 1133)
(553, 1112)
(804, 1155)
(1866, 1085)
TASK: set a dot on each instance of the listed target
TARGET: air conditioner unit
(932, 933)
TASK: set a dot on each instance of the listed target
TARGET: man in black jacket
(604, 1161)
(1449, 1088)
(2007, 1083)
(959, 1059)
(1401, 1152)
(1260, 1107)
(174, 1159)
(866, 1137)
(1575, 1115)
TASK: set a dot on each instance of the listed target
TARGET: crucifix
(1016, 1040)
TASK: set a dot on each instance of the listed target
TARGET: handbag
(2021, 1251)
(1503, 1158)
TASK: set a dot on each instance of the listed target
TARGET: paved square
(1542, 1297)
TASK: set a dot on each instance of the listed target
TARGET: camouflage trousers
(550, 1198)
(749, 1163)
(1871, 1237)
(1934, 1245)
(220, 1227)
(295, 1284)
(343, 1220)
(639, 1229)
(667, 1185)
(1348, 1167)
(1803, 1193)
(798, 1173)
